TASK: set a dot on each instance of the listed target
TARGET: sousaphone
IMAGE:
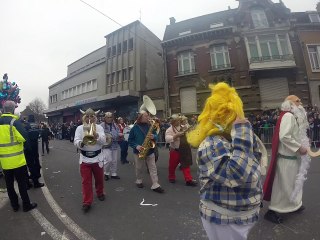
(148, 105)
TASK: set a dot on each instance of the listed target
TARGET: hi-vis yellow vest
(11, 146)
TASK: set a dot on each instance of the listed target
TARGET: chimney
(172, 20)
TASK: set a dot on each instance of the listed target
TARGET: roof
(198, 24)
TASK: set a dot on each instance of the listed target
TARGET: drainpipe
(166, 85)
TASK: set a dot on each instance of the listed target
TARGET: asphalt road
(121, 217)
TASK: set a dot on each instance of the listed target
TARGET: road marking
(43, 222)
(47, 226)
(67, 221)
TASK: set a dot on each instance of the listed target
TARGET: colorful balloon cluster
(9, 91)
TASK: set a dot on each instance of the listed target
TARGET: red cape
(267, 186)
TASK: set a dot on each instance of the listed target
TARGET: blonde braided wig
(220, 111)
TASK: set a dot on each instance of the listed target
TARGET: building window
(113, 76)
(219, 57)
(84, 88)
(284, 44)
(216, 25)
(109, 52)
(119, 48)
(185, 33)
(118, 78)
(253, 48)
(259, 18)
(186, 63)
(314, 56)
(130, 47)
(269, 47)
(94, 84)
(124, 75)
(53, 98)
(314, 17)
(80, 89)
(114, 50)
(108, 79)
(130, 73)
(125, 46)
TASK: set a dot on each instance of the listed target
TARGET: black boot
(37, 184)
(272, 216)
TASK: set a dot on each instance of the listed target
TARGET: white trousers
(150, 160)
(226, 232)
(110, 161)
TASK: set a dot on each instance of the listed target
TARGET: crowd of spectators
(263, 124)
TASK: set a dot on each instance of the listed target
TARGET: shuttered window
(273, 91)
(188, 100)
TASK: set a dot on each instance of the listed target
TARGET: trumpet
(89, 134)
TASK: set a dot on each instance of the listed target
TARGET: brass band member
(229, 166)
(90, 138)
(139, 133)
(180, 151)
(110, 152)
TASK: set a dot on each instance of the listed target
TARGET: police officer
(12, 137)
(32, 151)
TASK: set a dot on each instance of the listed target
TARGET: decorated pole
(9, 91)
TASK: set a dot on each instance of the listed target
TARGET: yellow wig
(220, 111)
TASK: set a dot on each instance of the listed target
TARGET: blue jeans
(124, 151)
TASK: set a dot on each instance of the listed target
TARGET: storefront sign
(85, 101)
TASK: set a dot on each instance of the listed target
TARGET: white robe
(286, 169)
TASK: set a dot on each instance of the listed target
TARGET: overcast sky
(40, 38)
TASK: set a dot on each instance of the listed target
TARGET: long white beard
(300, 114)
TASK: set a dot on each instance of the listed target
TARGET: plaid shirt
(230, 175)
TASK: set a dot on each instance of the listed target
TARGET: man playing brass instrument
(91, 159)
(136, 138)
(180, 151)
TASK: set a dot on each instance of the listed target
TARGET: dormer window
(259, 18)
(314, 17)
(216, 25)
(184, 33)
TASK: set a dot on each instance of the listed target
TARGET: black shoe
(192, 183)
(16, 208)
(158, 190)
(106, 177)
(172, 181)
(38, 185)
(29, 185)
(42, 154)
(86, 207)
(115, 177)
(102, 197)
(272, 216)
(140, 185)
(29, 207)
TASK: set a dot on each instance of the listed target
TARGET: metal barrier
(265, 134)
